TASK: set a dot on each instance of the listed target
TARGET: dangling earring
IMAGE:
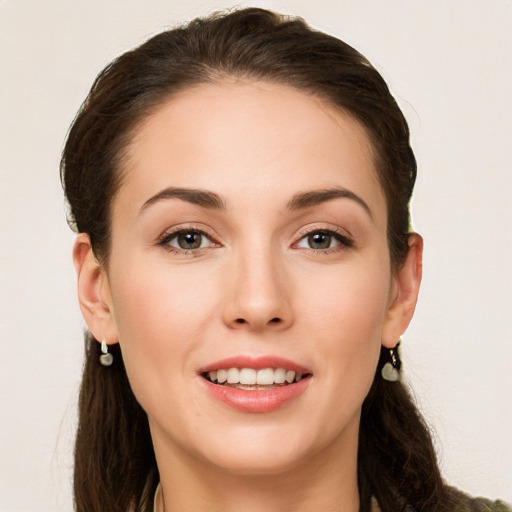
(106, 359)
(391, 369)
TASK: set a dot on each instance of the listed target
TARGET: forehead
(249, 138)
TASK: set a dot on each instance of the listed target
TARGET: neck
(277, 493)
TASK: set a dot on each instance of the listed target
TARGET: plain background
(448, 64)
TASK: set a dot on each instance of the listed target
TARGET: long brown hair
(115, 467)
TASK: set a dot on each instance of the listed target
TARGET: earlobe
(407, 284)
(94, 291)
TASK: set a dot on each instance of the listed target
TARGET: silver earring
(391, 369)
(106, 359)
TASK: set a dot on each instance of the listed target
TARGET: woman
(246, 268)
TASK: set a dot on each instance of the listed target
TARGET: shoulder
(485, 505)
(462, 502)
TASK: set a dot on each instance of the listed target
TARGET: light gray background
(448, 64)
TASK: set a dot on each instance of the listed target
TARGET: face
(249, 233)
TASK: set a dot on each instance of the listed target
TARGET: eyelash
(344, 242)
(166, 238)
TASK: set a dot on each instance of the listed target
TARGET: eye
(186, 240)
(323, 240)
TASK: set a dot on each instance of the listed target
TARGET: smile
(252, 379)
(255, 384)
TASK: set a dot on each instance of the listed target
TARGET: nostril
(274, 320)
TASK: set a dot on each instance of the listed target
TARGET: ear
(404, 293)
(94, 292)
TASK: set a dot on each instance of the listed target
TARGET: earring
(391, 369)
(106, 359)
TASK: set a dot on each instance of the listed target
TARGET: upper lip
(255, 362)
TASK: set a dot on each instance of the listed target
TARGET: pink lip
(256, 401)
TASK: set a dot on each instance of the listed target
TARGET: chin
(261, 461)
(266, 450)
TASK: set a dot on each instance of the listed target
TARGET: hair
(115, 467)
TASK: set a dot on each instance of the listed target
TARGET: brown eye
(323, 241)
(189, 240)
(319, 241)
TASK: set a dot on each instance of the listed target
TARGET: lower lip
(266, 400)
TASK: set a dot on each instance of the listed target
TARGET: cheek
(346, 317)
(160, 301)
(161, 314)
(349, 301)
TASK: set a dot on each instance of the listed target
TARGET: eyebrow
(314, 197)
(211, 200)
(203, 198)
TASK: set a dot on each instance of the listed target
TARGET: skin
(255, 287)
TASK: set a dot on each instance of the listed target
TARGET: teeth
(290, 376)
(265, 377)
(280, 376)
(251, 377)
(233, 376)
(247, 376)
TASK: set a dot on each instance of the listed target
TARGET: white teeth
(280, 376)
(251, 377)
(265, 377)
(247, 376)
(233, 376)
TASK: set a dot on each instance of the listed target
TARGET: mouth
(252, 379)
(258, 384)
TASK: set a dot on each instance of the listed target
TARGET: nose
(258, 293)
